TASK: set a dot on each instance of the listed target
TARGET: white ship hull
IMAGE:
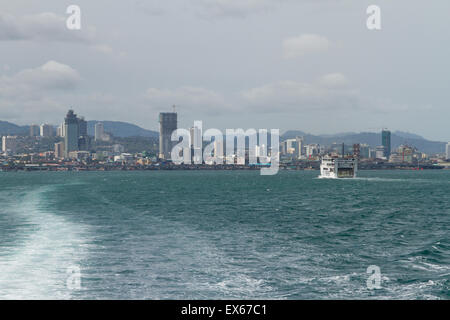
(334, 168)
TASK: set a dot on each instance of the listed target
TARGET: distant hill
(372, 139)
(8, 128)
(122, 129)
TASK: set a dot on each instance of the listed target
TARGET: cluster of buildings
(296, 149)
(74, 145)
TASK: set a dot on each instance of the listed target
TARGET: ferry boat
(338, 168)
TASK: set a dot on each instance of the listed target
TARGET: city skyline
(287, 75)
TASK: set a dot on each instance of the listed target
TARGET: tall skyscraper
(99, 131)
(167, 124)
(59, 150)
(83, 138)
(196, 144)
(9, 144)
(46, 130)
(35, 130)
(299, 147)
(386, 142)
(447, 151)
(71, 133)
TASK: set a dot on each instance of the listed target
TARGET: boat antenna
(343, 150)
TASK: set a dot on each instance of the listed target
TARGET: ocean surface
(224, 235)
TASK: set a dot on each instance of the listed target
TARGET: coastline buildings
(60, 131)
(447, 151)
(9, 144)
(99, 131)
(35, 130)
(59, 150)
(386, 142)
(46, 130)
(75, 137)
(167, 124)
(196, 144)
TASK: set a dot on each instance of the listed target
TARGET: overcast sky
(310, 65)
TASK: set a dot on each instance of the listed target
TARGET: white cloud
(45, 26)
(51, 75)
(235, 8)
(304, 44)
(292, 96)
(34, 93)
(334, 80)
(48, 27)
(188, 98)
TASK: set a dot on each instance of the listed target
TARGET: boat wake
(36, 268)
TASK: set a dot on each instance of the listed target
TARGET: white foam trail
(37, 267)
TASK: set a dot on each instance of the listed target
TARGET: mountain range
(125, 129)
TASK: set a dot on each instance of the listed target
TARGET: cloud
(51, 75)
(292, 96)
(334, 80)
(235, 8)
(195, 99)
(45, 26)
(48, 27)
(304, 44)
(35, 92)
(150, 7)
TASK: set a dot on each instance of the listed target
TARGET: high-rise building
(99, 131)
(196, 144)
(167, 125)
(59, 150)
(298, 147)
(380, 152)
(364, 151)
(46, 130)
(386, 142)
(83, 138)
(9, 144)
(447, 151)
(35, 130)
(357, 150)
(71, 133)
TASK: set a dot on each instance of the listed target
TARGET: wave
(36, 268)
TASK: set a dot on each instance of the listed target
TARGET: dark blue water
(217, 235)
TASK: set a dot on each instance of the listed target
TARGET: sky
(309, 65)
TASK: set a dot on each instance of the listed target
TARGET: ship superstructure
(338, 168)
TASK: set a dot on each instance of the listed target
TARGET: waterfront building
(99, 131)
(59, 150)
(357, 150)
(79, 155)
(9, 144)
(405, 153)
(364, 151)
(167, 124)
(46, 130)
(196, 143)
(447, 151)
(298, 147)
(71, 133)
(312, 150)
(386, 142)
(118, 149)
(35, 130)
(380, 152)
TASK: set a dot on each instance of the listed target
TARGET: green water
(224, 234)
